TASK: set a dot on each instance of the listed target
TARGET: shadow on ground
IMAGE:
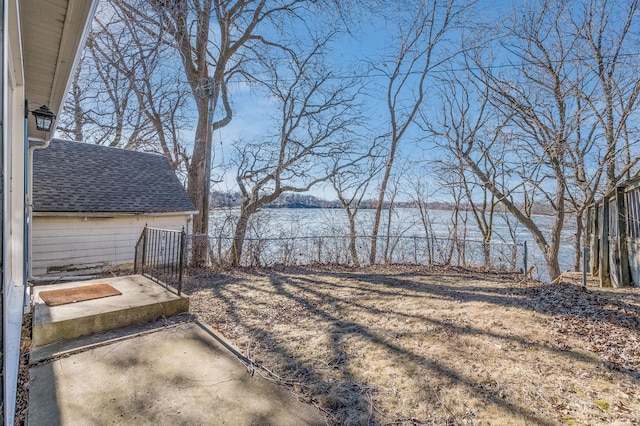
(413, 346)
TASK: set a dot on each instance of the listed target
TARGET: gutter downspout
(29, 206)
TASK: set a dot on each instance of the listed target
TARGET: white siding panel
(78, 245)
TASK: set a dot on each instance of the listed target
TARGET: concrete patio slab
(180, 374)
(142, 300)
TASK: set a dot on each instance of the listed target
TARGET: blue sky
(372, 42)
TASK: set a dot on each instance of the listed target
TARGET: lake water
(406, 225)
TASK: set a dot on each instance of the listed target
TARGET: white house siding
(65, 245)
(12, 205)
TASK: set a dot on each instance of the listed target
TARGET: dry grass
(410, 345)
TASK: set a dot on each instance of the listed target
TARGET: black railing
(160, 256)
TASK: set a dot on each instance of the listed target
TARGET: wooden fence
(613, 236)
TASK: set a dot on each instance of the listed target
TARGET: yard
(410, 345)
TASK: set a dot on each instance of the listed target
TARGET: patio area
(140, 358)
(141, 300)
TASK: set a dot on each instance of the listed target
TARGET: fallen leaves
(609, 326)
(22, 396)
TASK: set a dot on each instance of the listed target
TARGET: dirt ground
(410, 345)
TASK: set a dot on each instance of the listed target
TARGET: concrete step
(141, 301)
(64, 348)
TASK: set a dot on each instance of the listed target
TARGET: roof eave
(112, 214)
(52, 50)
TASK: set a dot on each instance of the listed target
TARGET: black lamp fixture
(44, 118)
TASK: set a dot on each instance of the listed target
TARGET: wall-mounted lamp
(44, 118)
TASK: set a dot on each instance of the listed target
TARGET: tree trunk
(240, 234)
(553, 266)
(549, 250)
(195, 189)
(381, 196)
(577, 243)
(388, 252)
(352, 241)
(486, 251)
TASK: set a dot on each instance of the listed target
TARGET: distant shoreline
(436, 206)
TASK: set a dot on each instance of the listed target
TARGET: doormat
(77, 294)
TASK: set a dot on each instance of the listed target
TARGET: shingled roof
(82, 177)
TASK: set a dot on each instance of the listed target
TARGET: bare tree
(421, 196)
(422, 27)
(471, 196)
(316, 115)
(395, 228)
(607, 47)
(220, 42)
(101, 108)
(351, 185)
(606, 146)
(123, 95)
(457, 243)
(72, 121)
(519, 126)
(543, 102)
(438, 250)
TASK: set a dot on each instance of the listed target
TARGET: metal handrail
(160, 256)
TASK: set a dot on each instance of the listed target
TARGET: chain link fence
(335, 249)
